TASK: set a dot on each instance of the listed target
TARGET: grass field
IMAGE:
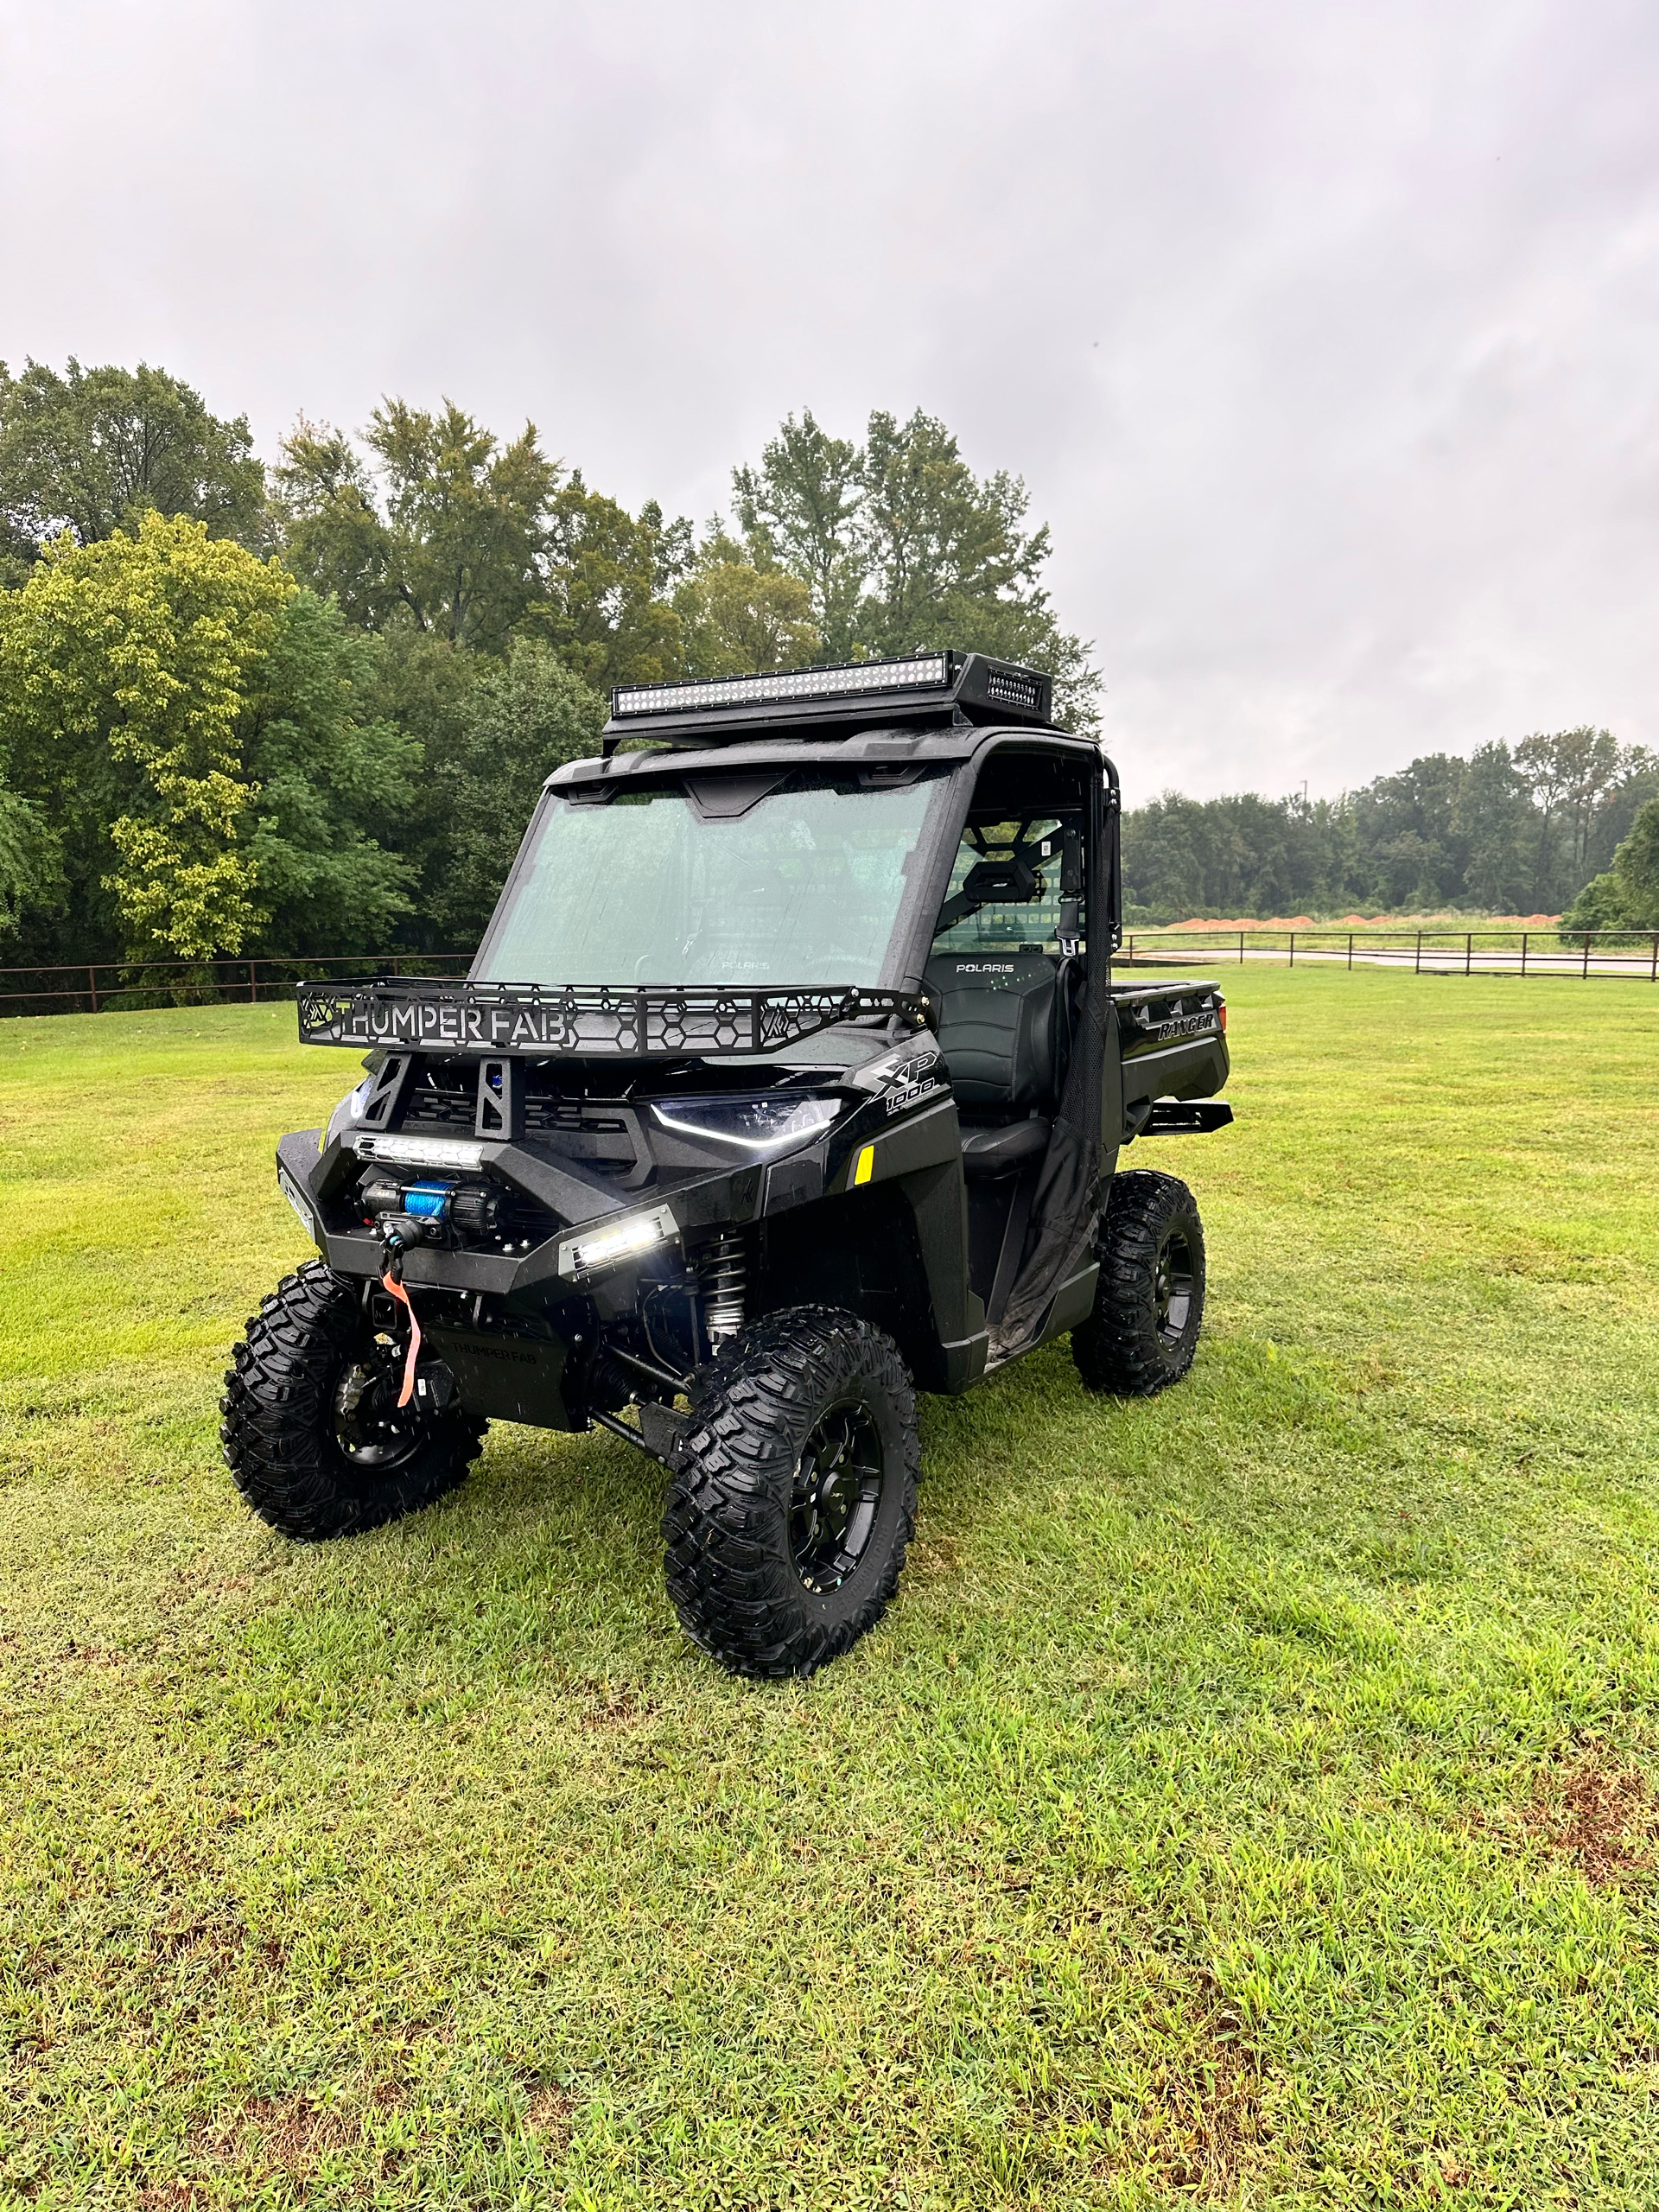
(1246, 1800)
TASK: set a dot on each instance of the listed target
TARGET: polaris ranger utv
(789, 1077)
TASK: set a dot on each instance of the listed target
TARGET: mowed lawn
(1250, 1798)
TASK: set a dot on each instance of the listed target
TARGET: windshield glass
(805, 887)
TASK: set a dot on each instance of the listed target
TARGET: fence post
(1292, 947)
(253, 986)
(1524, 939)
(1584, 970)
(1468, 950)
(1241, 948)
(1653, 972)
(1351, 948)
(1417, 964)
(91, 984)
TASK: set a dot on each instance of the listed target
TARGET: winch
(434, 1212)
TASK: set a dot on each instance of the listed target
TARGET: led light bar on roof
(925, 672)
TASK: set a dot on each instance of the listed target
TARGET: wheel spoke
(836, 1497)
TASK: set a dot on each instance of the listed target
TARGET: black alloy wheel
(312, 1430)
(837, 1502)
(794, 1494)
(1149, 1300)
(1172, 1286)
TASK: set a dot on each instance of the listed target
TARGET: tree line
(1524, 830)
(308, 708)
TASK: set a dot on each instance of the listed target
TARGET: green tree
(1410, 829)
(445, 525)
(737, 620)
(92, 450)
(1573, 775)
(31, 866)
(1240, 855)
(606, 579)
(1627, 895)
(333, 791)
(441, 527)
(519, 719)
(901, 547)
(1491, 820)
(800, 510)
(124, 666)
(194, 739)
(936, 538)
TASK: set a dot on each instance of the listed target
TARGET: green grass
(1243, 1801)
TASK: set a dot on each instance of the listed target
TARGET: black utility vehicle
(789, 1077)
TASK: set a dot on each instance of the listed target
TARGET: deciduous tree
(1627, 895)
(519, 720)
(189, 731)
(333, 789)
(902, 546)
(736, 619)
(445, 524)
(124, 667)
(92, 450)
(800, 510)
(605, 608)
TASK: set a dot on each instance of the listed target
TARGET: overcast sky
(1327, 337)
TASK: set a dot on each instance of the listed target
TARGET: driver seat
(996, 1016)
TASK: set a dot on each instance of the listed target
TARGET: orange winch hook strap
(397, 1291)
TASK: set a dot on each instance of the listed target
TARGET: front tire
(1149, 1301)
(794, 1495)
(312, 1431)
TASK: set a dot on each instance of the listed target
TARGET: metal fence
(92, 986)
(1583, 953)
(89, 986)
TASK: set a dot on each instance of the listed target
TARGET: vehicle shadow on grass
(557, 1540)
(550, 1555)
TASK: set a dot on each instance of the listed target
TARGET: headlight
(761, 1125)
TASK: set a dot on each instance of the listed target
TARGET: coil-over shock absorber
(723, 1282)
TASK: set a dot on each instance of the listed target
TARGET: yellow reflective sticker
(865, 1166)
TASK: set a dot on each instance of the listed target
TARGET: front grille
(444, 1095)
(552, 1113)
(437, 1105)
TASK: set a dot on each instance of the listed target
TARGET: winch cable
(389, 1282)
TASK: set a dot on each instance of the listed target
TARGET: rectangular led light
(923, 672)
(416, 1151)
(611, 1242)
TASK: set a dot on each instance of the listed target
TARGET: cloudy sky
(1326, 337)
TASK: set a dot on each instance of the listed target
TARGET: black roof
(936, 690)
(891, 750)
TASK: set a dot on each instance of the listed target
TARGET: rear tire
(312, 1431)
(1149, 1301)
(793, 1496)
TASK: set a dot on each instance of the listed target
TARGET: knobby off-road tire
(1149, 1302)
(312, 1432)
(793, 1495)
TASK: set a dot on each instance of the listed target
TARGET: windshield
(804, 887)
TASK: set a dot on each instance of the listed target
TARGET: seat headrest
(989, 971)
